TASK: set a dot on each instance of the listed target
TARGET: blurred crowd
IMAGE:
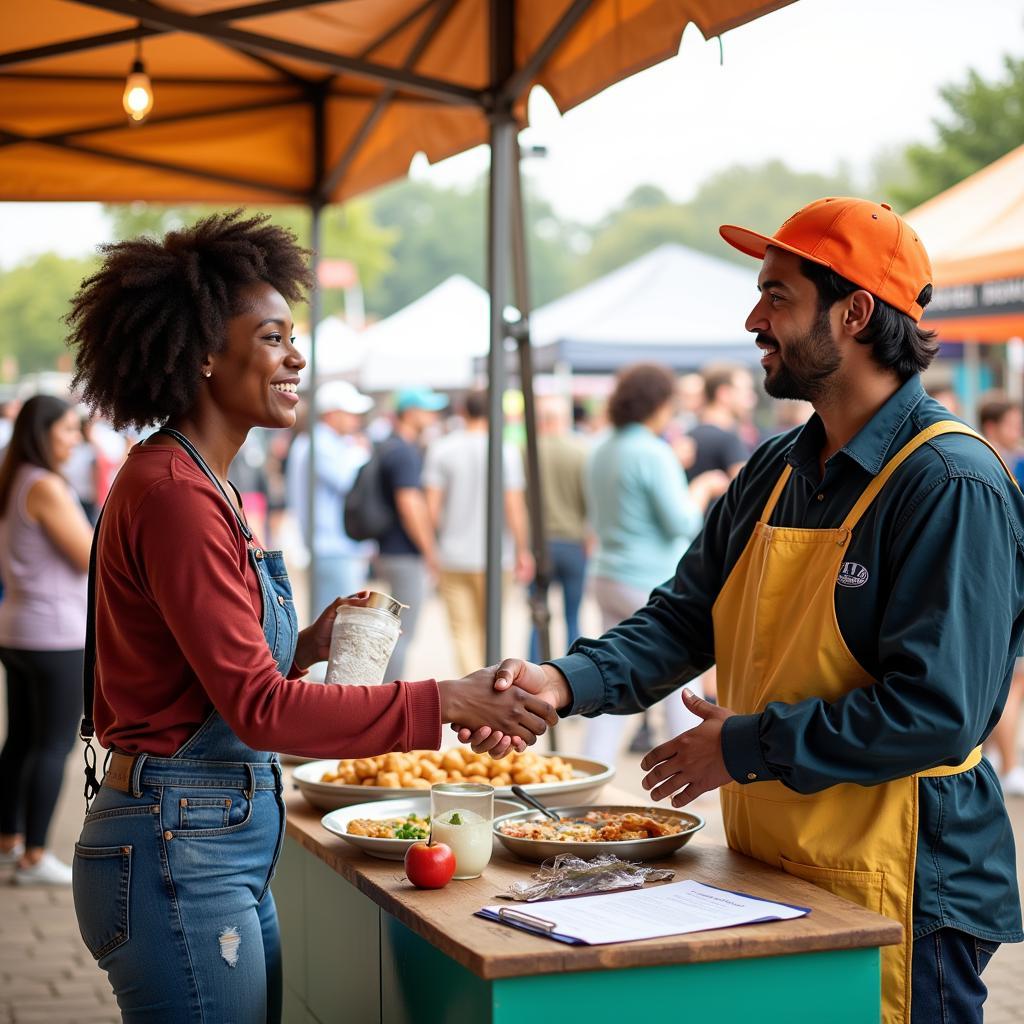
(400, 498)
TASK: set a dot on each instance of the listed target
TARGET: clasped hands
(685, 767)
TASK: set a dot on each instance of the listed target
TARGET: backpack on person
(369, 509)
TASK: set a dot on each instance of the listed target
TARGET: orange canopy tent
(313, 101)
(974, 232)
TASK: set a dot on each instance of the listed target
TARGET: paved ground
(47, 977)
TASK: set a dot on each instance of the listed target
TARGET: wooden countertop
(444, 917)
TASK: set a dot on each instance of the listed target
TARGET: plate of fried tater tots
(332, 784)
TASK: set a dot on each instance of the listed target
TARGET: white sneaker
(13, 855)
(48, 870)
(1013, 782)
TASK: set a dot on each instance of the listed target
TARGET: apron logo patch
(852, 574)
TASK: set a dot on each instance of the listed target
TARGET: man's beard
(811, 361)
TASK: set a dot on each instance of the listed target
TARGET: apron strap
(880, 480)
(773, 498)
(942, 770)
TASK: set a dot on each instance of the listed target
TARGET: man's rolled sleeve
(741, 749)
(585, 682)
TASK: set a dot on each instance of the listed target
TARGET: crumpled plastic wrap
(568, 875)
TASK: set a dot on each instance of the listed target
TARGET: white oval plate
(589, 779)
(390, 849)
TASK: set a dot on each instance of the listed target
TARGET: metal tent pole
(503, 138)
(317, 203)
(315, 303)
(540, 613)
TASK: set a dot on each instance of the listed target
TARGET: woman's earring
(209, 373)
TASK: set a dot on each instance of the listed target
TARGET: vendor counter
(362, 946)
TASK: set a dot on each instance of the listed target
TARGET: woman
(44, 556)
(198, 656)
(644, 517)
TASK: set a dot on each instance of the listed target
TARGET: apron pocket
(100, 883)
(865, 888)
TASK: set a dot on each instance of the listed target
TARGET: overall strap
(926, 435)
(87, 730)
(193, 453)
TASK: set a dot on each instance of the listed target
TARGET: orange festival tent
(974, 233)
(314, 101)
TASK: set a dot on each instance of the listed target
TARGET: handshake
(503, 707)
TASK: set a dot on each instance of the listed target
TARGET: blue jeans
(172, 879)
(171, 887)
(568, 562)
(946, 980)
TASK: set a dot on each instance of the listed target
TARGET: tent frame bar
(519, 80)
(337, 172)
(214, 28)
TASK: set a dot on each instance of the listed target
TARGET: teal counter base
(346, 960)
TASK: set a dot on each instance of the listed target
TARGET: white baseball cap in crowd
(341, 396)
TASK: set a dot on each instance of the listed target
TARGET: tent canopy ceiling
(674, 305)
(296, 100)
(974, 233)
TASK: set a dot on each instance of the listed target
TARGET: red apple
(429, 865)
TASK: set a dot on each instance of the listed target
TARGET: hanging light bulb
(138, 90)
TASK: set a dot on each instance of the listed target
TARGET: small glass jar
(363, 637)
(461, 816)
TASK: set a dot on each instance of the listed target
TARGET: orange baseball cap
(862, 241)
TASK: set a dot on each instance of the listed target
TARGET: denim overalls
(172, 879)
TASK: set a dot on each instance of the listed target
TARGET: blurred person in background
(1002, 424)
(44, 558)
(729, 398)
(408, 551)
(563, 460)
(248, 471)
(342, 564)
(455, 487)
(8, 412)
(945, 394)
(644, 515)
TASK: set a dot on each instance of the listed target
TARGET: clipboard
(528, 923)
(626, 916)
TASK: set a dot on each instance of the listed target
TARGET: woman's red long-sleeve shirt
(178, 632)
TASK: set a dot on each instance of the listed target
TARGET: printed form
(672, 909)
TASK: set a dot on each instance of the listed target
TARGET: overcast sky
(819, 82)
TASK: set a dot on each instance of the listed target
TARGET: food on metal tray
(420, 769)
(593, 827)
(412, 826)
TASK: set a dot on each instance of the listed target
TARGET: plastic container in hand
(366, 629)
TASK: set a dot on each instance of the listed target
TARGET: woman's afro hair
(146, 320)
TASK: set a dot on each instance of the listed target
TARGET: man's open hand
(692, 763)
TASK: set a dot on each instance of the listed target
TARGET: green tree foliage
(349, 232)
(759, 196)
(442, 231)
(984, 122)
(34, 298)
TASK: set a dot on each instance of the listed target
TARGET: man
(407, 550)
(341, 448)
(730, 397)
(562, 458)
(864, 628)
(455, 486)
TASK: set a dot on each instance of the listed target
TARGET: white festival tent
(339, 348)
(674, 305)
(432, 342)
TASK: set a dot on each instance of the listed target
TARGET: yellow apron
(777, 639)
